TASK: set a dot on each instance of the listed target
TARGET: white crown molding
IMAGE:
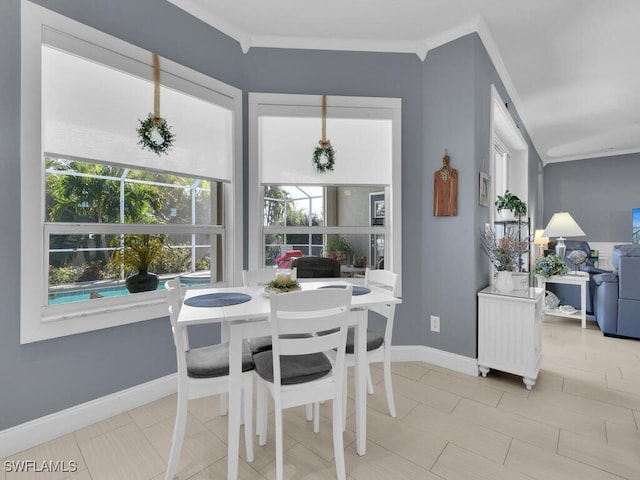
(44, 429)
(345, 44)
(459, 31)
(421, 48)
(586, 156)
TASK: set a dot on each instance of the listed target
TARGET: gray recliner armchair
(570, 294)
(617, 295)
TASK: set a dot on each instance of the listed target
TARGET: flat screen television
(635, 225)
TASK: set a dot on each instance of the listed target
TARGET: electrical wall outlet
(435, 323)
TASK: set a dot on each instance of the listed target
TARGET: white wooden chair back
(310, 311)
(180, 336)
(258, 277)
(389, 281)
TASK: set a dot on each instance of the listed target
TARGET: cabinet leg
(529, 382)
(483, 370)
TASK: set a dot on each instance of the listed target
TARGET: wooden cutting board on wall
(445, 190)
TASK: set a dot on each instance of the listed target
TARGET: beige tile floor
(580, 421)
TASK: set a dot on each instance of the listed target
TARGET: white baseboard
(44, 429)
(420, 353)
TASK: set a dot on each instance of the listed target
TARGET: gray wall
(599, 193)
(457, 81)
(445, 104)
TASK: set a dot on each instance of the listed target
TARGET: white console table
(509, 332)
(573, 278)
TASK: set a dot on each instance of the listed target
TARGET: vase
(504, 281)
(142, 281)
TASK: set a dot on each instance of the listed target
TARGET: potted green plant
(512, 203)
(339, 248)
(136, 256)
(550, 265)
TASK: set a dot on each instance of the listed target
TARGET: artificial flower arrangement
(504, 252)
(551, 265)
(282, 284)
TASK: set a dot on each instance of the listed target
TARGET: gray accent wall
(445, 105)
(599, 193)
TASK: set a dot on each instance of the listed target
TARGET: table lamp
(562, 225)
(539, 239)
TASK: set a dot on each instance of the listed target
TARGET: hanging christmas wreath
(324, 157)
(155, 135)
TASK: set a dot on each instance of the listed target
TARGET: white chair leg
(344, 403)
(262, 414)
(224, 404)
(224, 398)
(247, 398)
(178, 436)
(338, 447)
(388, 386)
(279, 445)
(259, 413)
(369, 381)
(316, 417)
(309, 412)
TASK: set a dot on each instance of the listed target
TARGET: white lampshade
(562, 225)
(539, 238)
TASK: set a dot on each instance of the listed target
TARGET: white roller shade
(363, 148)
(90, 111)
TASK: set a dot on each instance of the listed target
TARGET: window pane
(359, 250)
(87, 266)
(101, 193)
(355, 206)
(350, 206)
(293, 205)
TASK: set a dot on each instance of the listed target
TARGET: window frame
(39, 321)
(393, 221)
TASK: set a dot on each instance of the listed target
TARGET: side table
(572, 278)
(509, 332)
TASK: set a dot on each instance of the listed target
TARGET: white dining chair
(378, 346)
(202, 372)
(297, 371)
(257, 278)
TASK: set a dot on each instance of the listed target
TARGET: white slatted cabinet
(509, 336)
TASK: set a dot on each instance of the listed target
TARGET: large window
(88, 189)
(338, 222)
(351, 213)
(87, 208)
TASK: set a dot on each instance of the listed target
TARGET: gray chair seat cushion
(213, 360)
(374, 339)
(263, 344)
(294, 368)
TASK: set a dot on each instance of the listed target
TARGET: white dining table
(251, 319)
